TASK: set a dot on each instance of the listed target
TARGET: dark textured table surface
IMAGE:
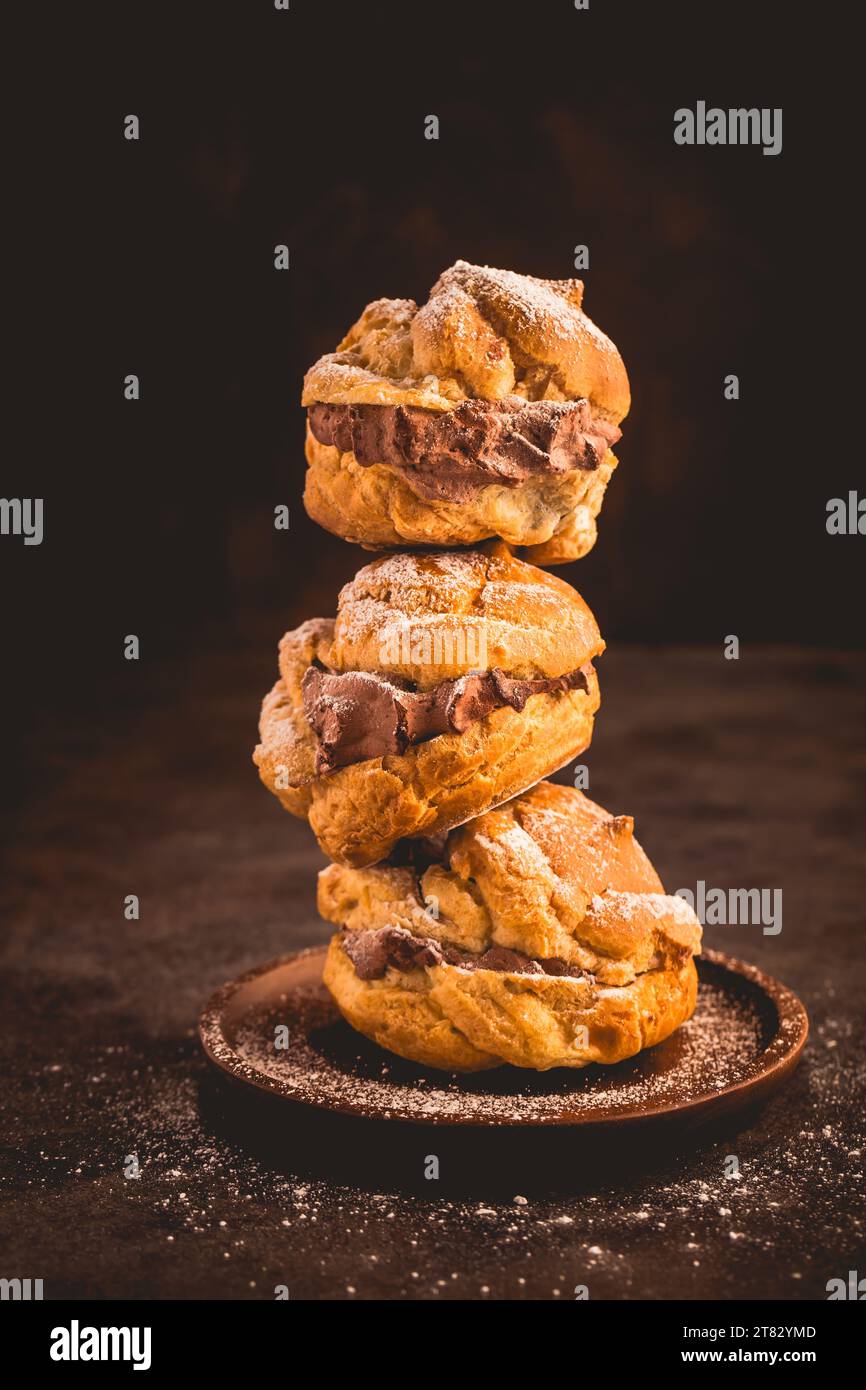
(744, 773)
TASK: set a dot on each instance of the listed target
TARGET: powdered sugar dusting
(213, 1216)
(538, 305)
(327, 1063)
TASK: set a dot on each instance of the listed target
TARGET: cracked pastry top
(491, 410)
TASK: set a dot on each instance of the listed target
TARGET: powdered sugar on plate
(323, 1062)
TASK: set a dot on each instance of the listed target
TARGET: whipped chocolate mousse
(448, 455)
(357, 715)
(374, 951)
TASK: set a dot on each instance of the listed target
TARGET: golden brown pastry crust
(375, 507)
(483, 333)
(452, 607)
(470, 1020)
(530, 623)
(549, 874)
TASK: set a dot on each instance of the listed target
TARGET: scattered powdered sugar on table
(210, 1215)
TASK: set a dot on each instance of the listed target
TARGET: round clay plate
(745, 1038)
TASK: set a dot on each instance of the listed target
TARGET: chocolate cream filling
(357, 715)
(447, 455)
(374, 951)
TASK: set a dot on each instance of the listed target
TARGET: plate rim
(780, 1056)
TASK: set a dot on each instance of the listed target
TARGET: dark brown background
(156, 258)
(307, 128)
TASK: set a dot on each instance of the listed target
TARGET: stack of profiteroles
(482, 914)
